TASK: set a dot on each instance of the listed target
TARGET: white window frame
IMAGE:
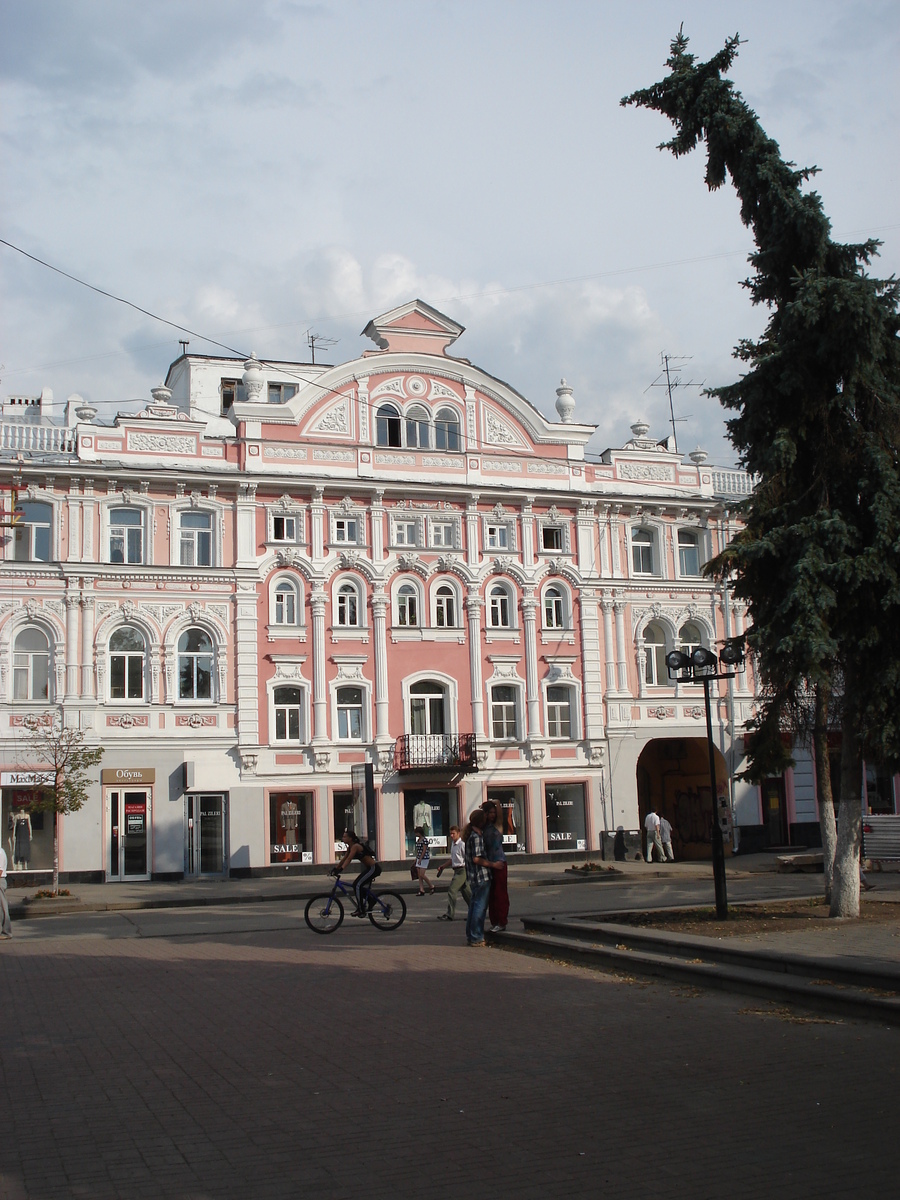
(283, 585)
(443, 533)
(656, 652)
(140, 526)
(28, 667)
(128, 655)
(346, 529)
(551, 706)
(496, 537)
(23, 525)
(405, 531)
(492, 607)
(280, 393)
(213, 670)
(188, 537)
(697, 546)
(652, 545)
(404, 590)
(516, 689)
(436, 602)
(284, 528)
(563, 605)
(338, 686)
(441, 430)
(287, 674)
(341, 588)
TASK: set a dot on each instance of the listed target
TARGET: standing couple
(485, 872)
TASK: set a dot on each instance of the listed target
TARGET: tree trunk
(55, 887)
(845, 887)
(823, 787)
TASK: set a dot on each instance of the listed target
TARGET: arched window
(688, 552)
(499, 608)
(127, 655)
(285, 603)
(31, 666)
(126, 535)
(689, 638)
(446, 430)
(387, 426)
(655, 672)
(288, 714)
(195, 665)
(445, 607)
(427, 709)
(418, 430)
(642, 552)
(196, 539)
(554, 608)
(350, 713)
(504, 712)
(32, 533)
(407, 605)
(348, 606)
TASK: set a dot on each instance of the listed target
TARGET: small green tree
(818, 424)
(62, 754)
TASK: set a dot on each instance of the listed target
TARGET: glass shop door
(205, 834)
(128, 834)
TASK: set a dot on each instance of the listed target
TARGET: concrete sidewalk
(111, 897)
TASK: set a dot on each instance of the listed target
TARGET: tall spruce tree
(818, 424)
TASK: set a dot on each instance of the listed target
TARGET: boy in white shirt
(460, 885)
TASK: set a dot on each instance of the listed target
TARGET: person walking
(459, 885)
(5, 923)
(498, 903)
(665, 836)
(423, 858)
(478, 874)
(651, 825)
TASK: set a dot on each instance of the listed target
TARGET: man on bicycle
(370, 869)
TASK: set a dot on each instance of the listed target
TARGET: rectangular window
(559, 712)
(350, 714)
(688, 553)
(280, 393)
(126, 536)
(551, 537)
(442, 534)
(405, 533)
(504, 725)
(497, 537)
(230, 393)
(196, 539)
(565, 816)
(290, 828)
(284, 529)
(346, 529)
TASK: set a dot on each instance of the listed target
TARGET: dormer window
(230, 393)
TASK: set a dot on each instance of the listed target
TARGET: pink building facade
(279, 572)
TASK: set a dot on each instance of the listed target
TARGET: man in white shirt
(651, 825)
(460, 884)
(5, 925)
(665, 833)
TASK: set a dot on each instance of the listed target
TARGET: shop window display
(565, 816)
(290, 828)
(27, 832)
(435, 811)
(511, 802)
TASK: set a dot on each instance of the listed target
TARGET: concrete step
(880, 975)
(819, 995)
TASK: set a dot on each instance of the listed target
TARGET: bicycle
(325, 913)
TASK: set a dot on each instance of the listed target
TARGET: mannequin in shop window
(20, 838)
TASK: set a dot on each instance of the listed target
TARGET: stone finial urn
(253, 381)
(565, 402)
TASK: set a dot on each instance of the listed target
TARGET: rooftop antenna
(184, 345)
(317, 339)
(669, 378)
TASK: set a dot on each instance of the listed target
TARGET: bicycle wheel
(324, 913)
(388, 910)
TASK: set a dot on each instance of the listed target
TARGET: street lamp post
(701, 667)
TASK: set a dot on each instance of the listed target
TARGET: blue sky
(254, 170)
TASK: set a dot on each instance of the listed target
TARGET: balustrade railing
(436, 751)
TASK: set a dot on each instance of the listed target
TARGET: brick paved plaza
(277, 1064)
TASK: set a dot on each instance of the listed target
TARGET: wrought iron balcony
(436, 752)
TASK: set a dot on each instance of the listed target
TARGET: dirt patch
(785, 916)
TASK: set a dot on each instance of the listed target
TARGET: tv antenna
(670, 378)
(318, 339)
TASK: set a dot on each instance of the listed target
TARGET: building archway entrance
(673, 779)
